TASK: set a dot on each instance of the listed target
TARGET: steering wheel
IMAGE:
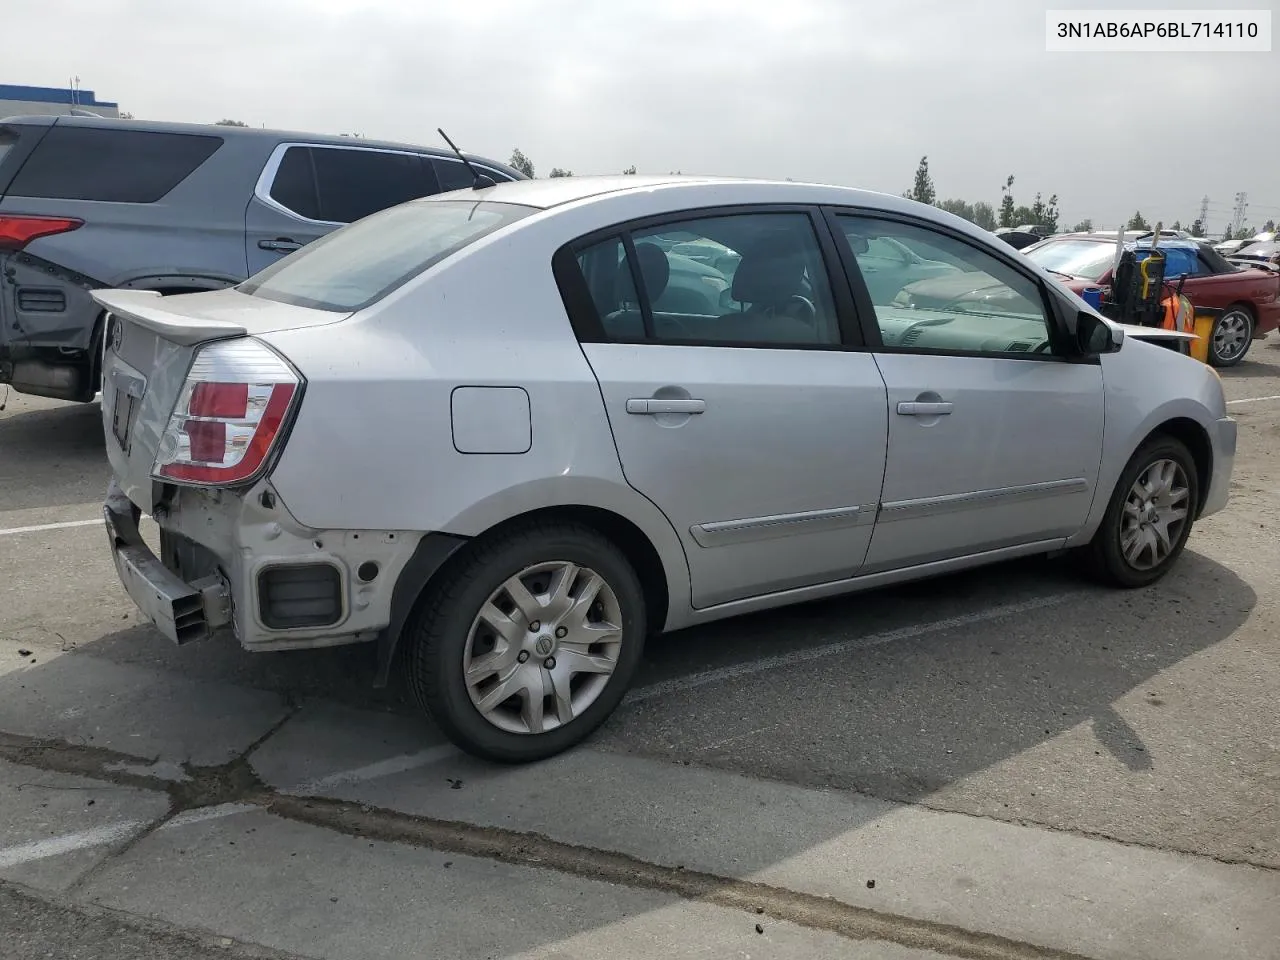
(801, 308)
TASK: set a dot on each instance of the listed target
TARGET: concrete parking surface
(1008, 763)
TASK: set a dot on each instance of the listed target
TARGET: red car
(1249, 297)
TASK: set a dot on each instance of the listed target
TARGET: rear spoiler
(146, 308)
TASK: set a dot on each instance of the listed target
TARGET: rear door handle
(281, 245)
(651, 406)
(922, 408)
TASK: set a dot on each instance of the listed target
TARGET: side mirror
(1095, 336)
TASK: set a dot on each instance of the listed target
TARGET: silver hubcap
(543, 647)
(1231, 337)
(1154, 514)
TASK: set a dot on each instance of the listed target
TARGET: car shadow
(53, 456)
(901, 720)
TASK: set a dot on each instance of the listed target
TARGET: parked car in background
(1258, 252)
(1017, 237)
(1249, 298)
(472, 425)
(88, 202)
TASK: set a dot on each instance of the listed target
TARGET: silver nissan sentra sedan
(504, 434)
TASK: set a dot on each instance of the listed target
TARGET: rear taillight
(232, 409)
(16, 232)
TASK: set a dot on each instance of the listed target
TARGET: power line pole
(1242, 204)
(1204, 215)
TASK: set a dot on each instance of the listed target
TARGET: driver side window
(949, 296)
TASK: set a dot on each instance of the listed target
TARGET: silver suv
(514, 430)
(91, 202)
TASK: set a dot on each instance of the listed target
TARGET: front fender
(1147, 387)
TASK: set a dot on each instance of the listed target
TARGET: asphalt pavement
(1006, 763)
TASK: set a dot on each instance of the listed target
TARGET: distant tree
(1197, 228)
(674, 173)
(961, 208)
(984, 215)
(1269, 226)
(630, 171)
(922, 190)
(230, 123)
(557, 172)
(1084, 226)
(1227, 234)
(1177, 225)
(1007, 207)
(1137, 222)
(1045, 213)
(520, 162)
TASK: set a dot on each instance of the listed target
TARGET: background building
(16, 101)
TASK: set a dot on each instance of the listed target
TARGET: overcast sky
(842, 91)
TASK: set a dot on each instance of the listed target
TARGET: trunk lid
(148, 345)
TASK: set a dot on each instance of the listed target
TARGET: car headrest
(655, 270)
(767, 278)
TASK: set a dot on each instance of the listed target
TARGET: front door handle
(651, 406)
(281, 245)
(924, 408)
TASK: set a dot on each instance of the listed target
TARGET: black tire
(1235, 314)
(1104, 555)
(437, 636)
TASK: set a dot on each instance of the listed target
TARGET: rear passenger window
(356, 183)
(121, 166)
(294, 186)
(745, 279)
(342, 185)
(453, 175)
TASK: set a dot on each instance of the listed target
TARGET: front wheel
(1232, 336)
(529, 643)
(1149, 517)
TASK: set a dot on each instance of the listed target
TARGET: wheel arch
(1195, 438)
(437, 553)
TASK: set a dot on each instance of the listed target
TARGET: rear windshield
(357, 265)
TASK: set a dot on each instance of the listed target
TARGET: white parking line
(40, 528)
(1254, 399)
(201, 814)
(733, 672)
(383, 768)
(69, 843)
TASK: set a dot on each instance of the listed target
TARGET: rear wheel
(1149, 517)
(1232, 336)
(529, 643)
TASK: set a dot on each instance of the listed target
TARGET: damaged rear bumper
(182, 611)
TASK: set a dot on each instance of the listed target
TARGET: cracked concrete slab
(135, 710)
(324, 741)
(298, 888)
(1026, 883)
(55, 827)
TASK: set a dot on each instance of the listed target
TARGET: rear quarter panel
(196, 230)
(373, 445)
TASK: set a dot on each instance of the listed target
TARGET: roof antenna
(480, 180)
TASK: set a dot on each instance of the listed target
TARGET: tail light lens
(234, 405)
(17, 232)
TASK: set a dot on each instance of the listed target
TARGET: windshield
(359, 264)
(1079, 258)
